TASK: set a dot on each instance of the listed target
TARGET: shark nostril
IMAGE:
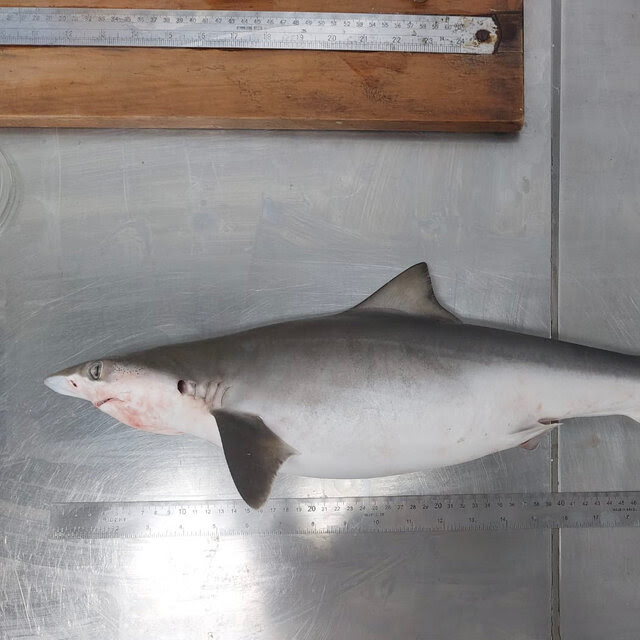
(182, 386)
(73, 384)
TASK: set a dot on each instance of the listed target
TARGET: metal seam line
(556, 104)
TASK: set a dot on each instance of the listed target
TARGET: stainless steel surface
(338, 516)
(599, 289)
(124, 240)
(248, 30)
(7, 191)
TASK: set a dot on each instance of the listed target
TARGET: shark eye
(95, 370)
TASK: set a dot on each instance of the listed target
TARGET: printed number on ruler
(248, 30)
(469, 512)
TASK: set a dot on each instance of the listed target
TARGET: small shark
(394, 385)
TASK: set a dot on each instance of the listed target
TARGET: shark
(394, 385)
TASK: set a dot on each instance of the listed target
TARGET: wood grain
(253, 89)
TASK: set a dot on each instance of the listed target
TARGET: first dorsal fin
(410, 292)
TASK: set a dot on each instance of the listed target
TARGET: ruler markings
(464, 512)
(248, 30)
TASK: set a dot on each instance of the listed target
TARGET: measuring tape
(464, 512)
(43, 26)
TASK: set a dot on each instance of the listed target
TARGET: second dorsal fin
(410, 292)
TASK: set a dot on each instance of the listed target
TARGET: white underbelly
(404, 434)
(446, 427)
(413, 445)
(391, 431)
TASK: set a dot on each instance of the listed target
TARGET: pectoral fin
(253, 452)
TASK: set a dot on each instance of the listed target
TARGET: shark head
(134, 394)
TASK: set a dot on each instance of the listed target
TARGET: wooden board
(257, 89)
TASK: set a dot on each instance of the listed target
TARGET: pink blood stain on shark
(145, 415)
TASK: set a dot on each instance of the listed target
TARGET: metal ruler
(43, 26)
(465, 512)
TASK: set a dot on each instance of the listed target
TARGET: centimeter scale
(464, 512)
(248, 30)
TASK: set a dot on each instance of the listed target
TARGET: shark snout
(63, 383)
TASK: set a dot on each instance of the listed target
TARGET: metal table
(121, 240)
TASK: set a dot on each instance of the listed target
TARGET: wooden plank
(252, 89)
(452, 7)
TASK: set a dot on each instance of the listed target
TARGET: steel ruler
(44, 26)
(464, 512)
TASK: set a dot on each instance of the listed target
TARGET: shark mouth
(101, 402)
